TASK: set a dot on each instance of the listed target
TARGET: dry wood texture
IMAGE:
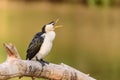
(14, 66)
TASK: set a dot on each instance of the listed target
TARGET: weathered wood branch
(14, 66)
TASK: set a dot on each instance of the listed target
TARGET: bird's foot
(42, 61)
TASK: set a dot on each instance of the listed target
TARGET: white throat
(50, 35)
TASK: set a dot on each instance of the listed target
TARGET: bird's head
(50, 26)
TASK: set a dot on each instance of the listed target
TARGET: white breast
(47, 45)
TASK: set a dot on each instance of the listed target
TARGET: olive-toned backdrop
(89, 40)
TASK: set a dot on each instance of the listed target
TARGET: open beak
(59, 26)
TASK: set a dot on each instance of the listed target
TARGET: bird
(42, 42)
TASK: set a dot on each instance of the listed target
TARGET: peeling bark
(14, 66)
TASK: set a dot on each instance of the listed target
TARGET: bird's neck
(51, 35)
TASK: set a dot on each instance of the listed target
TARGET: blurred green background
(89, 40)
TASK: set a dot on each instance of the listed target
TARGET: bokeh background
(89, 40)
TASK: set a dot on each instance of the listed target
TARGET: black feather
(35, 45)
(43, 28)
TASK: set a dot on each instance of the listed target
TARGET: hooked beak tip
(56, 20)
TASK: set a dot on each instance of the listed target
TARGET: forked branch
(14, 66)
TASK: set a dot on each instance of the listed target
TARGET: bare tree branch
(14, 66)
